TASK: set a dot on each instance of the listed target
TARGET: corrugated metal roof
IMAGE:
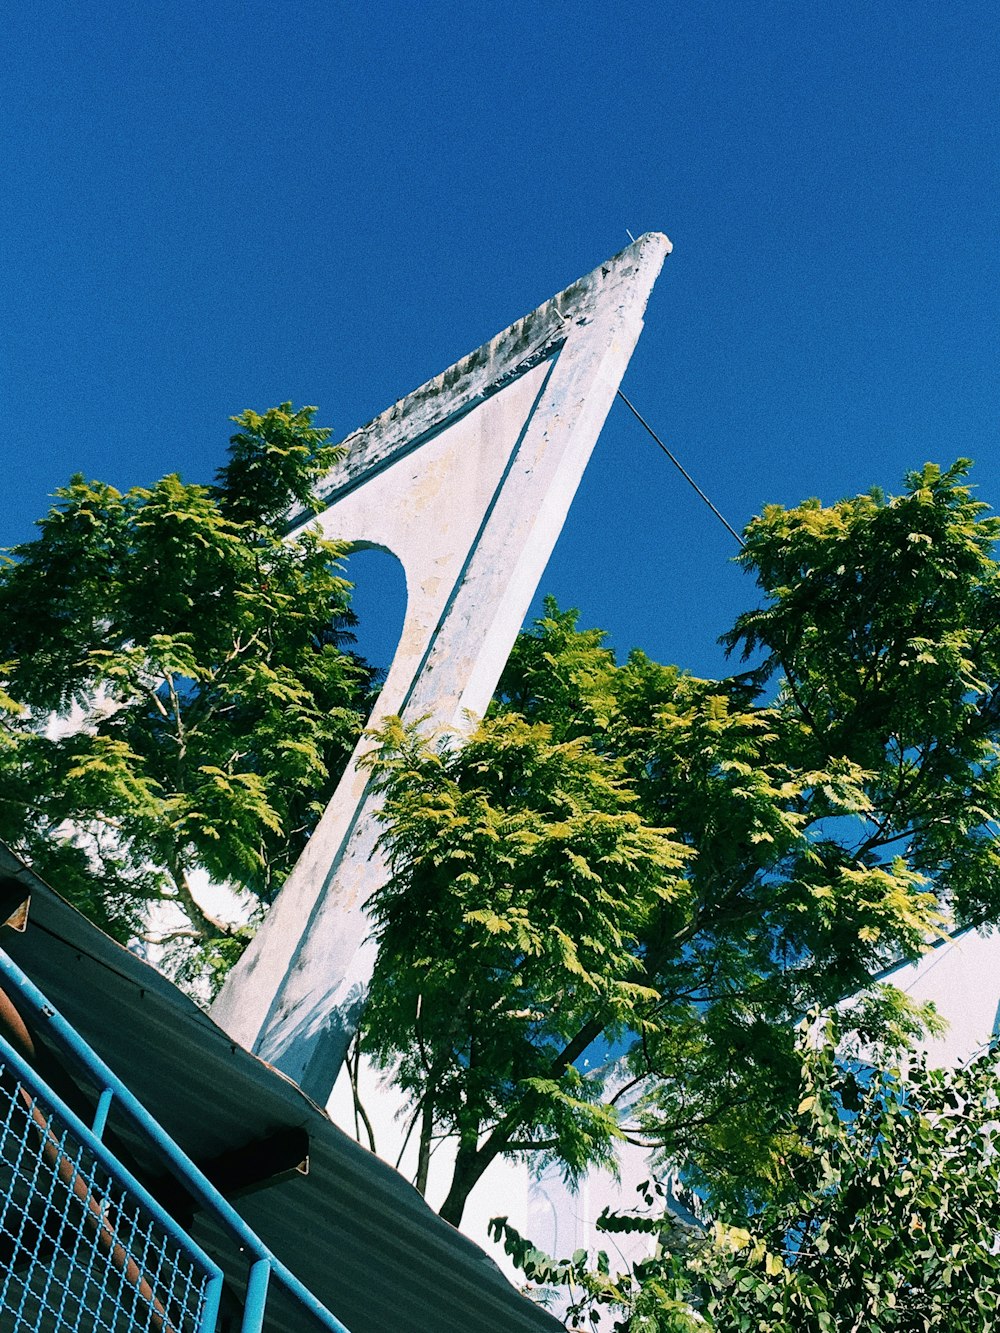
(353, 1230)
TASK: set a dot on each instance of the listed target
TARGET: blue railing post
(210, 1310)
(253, 1309)
(101, 1113)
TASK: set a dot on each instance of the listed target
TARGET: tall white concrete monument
(467, 481)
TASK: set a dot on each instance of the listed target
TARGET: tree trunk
(424, 1150)
(469, 1167)
(472, 1160)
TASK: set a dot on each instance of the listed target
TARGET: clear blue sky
(213, 206)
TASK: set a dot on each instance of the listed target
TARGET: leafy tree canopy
(623, 861)
(177, 690)
(626, 854)
(887, 1217)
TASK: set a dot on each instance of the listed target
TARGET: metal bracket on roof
(15, 896)
(243, 1170)
(255, 1166)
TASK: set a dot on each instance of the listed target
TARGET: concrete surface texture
(467, 481)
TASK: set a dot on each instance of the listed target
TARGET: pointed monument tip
(654, 238)
(621, 283)
(651, 248)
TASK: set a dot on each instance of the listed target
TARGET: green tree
(177, 690)
(524, 882)
(627, 854)
(887, 1216)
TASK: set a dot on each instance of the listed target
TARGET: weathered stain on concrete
(467, 481)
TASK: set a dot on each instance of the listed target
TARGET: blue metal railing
(84, 1247)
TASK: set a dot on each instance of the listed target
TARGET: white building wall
(962, 978)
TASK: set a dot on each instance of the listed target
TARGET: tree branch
(203, 921)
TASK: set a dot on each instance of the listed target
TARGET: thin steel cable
(680, 467)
